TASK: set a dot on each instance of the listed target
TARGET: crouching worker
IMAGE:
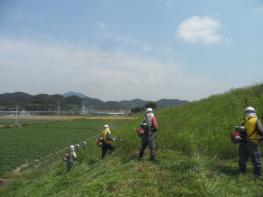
(70, 157)
(150, 126)
(249, 148)
(106, 141)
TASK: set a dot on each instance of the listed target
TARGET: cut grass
(175, 175)
(196, 157)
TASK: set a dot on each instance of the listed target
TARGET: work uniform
(106, 143)
(250, 147)
(70, 159)
(149, 136)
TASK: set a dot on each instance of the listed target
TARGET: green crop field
(11, 120)
(196, 157)
(35, 140)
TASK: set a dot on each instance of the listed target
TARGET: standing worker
(149, 136)
(70, 157)
(106, 141)
(249, 148)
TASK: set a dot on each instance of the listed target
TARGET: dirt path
(19, 168)
(57, 118)
(3, 182)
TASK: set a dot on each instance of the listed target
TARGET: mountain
(96, 104)
(133, 103)
(39, 102)
(170, 102)
(73, 100)
(78, 94)
(15, 98)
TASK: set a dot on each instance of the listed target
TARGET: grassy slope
(195, 153)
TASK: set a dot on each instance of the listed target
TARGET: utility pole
(83, 109)
(58, 110)
(16, 114)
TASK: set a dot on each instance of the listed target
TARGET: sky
(120, 49)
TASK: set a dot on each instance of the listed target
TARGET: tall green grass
(205, 126)
(196, 157)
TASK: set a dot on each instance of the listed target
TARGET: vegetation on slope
(196, 157)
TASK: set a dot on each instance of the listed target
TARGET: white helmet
(71, 147)
(106, 126)
(250, 112)
(149, 110)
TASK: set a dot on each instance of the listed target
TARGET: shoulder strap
(252, 132)
(244, 122)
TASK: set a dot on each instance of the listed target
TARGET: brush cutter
(99, 141)
(117, 139)
(238, 135)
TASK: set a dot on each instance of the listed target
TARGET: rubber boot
(242, 169)
(140, 156)
(153, 158)
(257, 172)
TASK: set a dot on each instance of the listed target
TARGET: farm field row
(32, 141)
(21, 120)
(49, 117)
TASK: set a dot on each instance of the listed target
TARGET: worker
(149, 134)
(106, 141)
(249, 147)
(70, 157)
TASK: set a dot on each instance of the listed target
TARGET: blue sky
(119, 49)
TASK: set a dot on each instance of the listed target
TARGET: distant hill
(170, 102)
(96, 104)
(72, 101)
(40, 102)
(133, 103)
(80, 95)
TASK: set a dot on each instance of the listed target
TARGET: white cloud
(38, 67)
(123, 42)
(258, 9)
(200, 29)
